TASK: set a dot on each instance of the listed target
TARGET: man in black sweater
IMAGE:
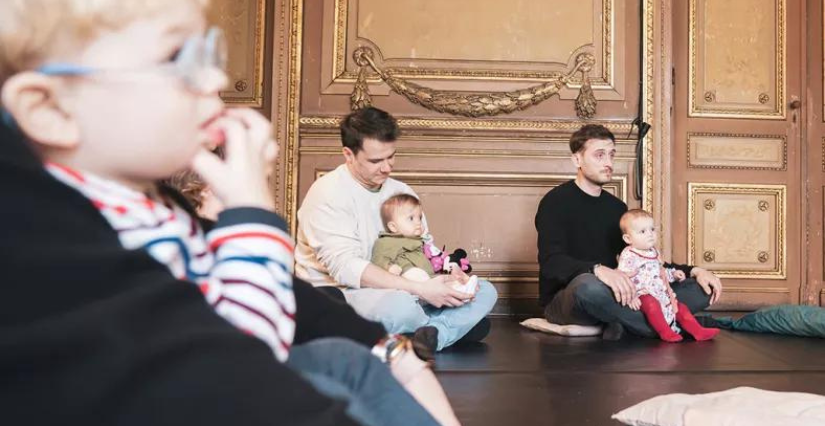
(579, 241)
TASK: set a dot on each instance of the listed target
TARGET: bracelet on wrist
(391, 348)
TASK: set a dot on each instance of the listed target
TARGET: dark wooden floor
(521, 377)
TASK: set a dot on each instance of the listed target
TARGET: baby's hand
(394, 269)
(635, 304)
(240, 180)
(459, 275)
(679, 275)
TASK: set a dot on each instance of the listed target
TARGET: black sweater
(91, 333)
(576, 231)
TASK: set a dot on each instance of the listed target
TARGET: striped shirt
(243, 266)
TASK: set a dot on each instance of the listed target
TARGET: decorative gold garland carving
(474, 104)
(295, 122)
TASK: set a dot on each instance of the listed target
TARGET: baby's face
(642, 233)
(407, 221)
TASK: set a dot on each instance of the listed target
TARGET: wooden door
(739, 154)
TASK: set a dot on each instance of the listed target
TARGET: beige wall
(722, 133)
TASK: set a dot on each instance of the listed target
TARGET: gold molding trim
(649, 105)
(742, 135)
(469, 104)
(459, 153)
(293, 107)
(779, 191)
(778, 113)
(823, 140)
(256, 98)
(327, 122)
(341, 75)
(778, 290)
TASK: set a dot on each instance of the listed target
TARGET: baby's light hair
(33, 32)
(394, 203)
(630, 216)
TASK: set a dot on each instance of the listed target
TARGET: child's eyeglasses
(193, 63)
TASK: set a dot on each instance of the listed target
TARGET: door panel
(737, 187)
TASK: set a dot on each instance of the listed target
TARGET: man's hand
(679, 275)
(623, 289)
(240, 180)
(438, 291)
(709, 282)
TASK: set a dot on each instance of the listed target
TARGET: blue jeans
(401, 312)
(342, 369)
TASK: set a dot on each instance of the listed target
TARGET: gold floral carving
(360, 97)
(709, 256)
(710, 96)
(710, 205)
(475, 104)
(586, 100)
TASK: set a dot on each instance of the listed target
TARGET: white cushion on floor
(541, 324)
(743, 406)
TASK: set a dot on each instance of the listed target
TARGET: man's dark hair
(587, 132)
(365, 123)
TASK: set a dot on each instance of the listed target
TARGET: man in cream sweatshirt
(338, 223)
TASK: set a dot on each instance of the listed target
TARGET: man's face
(372, 165)
(595, 160)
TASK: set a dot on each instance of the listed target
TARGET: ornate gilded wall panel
(474, 42)
(737, 58)
(737, 230)
(729, 151)
(243, 21)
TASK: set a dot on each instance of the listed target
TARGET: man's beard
(597, 178)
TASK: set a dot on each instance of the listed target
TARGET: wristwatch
(391, 348)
